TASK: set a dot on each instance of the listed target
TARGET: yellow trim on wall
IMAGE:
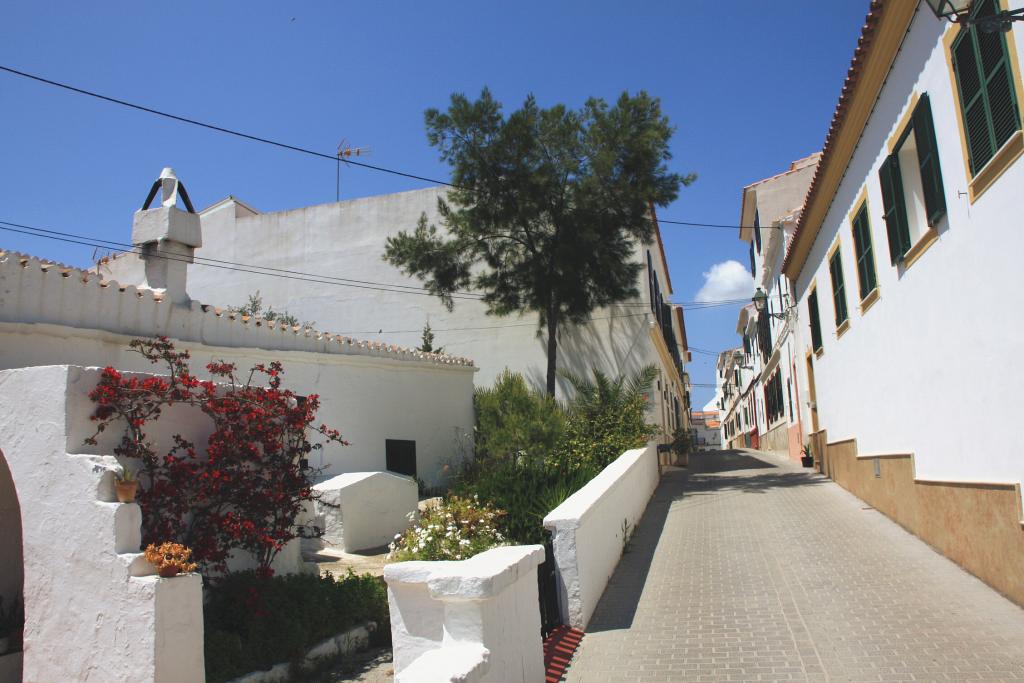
(862, 201)
(905, 121)
(926, 240)
(868, 301)
(1013, 148)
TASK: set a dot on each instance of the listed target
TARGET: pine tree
(547, 208)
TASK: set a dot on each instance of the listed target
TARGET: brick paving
(748, 568)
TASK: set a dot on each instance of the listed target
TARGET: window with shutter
(835, 267)
(895, 210)
(862, 248)
(757, 231)
(988, 102)
(812, 315)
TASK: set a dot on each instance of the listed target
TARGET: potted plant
(126, 484)
(12, 620)
(806, 457)
(170, 559)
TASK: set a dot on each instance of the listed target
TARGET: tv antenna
(345, 151)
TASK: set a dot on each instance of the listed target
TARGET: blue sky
(750, 86)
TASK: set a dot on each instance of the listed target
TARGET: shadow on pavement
(618, 604)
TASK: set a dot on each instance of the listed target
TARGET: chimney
(167, 238)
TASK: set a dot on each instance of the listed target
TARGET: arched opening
(12, 577)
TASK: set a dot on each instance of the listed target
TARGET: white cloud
(726, 280)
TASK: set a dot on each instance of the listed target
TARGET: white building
(707, 429)
(770, 209)
(399, 408)
(904, 263)
(330, 270)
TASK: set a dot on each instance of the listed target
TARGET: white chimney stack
(167, 238)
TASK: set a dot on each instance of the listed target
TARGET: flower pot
(167, 572)
(126, 491)
(807, 461)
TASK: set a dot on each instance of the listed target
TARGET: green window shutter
(987, 98)
(812, 314)
(896, 226)
(865, 256)
(835, 267)
(928, 159)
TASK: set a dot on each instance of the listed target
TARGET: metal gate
(547, 590)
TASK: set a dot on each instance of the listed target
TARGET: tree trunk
(552, 349)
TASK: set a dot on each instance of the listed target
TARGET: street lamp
(761, 305)
(959, 12)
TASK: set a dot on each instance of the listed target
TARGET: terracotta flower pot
(167, 571)
(126, 491)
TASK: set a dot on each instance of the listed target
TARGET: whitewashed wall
(587, 530)
(93, 608)
(371, 392)
(347, 240)
(937, 352)
(473, 620)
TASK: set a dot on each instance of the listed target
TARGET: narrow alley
(746, 567)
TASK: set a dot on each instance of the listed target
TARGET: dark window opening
(401, 456)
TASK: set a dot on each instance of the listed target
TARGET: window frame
(835, 256)
(979, 181)
(866, 254)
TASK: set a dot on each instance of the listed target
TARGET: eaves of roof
(884, 28)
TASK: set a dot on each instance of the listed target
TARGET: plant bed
(351, 641)
(256, 626)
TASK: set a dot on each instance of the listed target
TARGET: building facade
(904, 269)
(769, 211)
(333, 254)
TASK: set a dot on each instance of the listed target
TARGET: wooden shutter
(928, 159)
(896, 226)
(862, 247)
(987, 100)
(835, 266)
(812, 313)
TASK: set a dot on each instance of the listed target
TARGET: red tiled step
(559, 647)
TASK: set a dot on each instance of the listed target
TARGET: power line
(296, 148)
(302, 276)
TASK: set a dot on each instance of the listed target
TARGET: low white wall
(473, 620)
(362, 510)
(370, 391)
(587, 530)
(93, 608)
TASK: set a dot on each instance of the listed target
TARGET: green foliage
(605, 418)
(456, 529)
(682, 441)
(515, 422)
(547, 208)
(532, 454)
(254, 307)
(252, 623)
(427, 341)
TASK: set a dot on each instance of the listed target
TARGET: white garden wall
(466, 621)
(587, 530)
(371, 392)
(93, 608)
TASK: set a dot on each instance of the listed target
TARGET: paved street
(748, 568)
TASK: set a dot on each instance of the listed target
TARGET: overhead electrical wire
(303, 276)
(302, 150)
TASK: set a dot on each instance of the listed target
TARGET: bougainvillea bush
(244, 490)
(455, 529)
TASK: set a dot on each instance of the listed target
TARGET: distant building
(905, 268)
(769, 211)
(706, 429)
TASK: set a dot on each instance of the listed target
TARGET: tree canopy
(546, 208)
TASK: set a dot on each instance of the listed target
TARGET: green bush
(457, 529)
(253, 623)
(514, 422)
(532, 454)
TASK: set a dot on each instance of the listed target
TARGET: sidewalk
(747, 567)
